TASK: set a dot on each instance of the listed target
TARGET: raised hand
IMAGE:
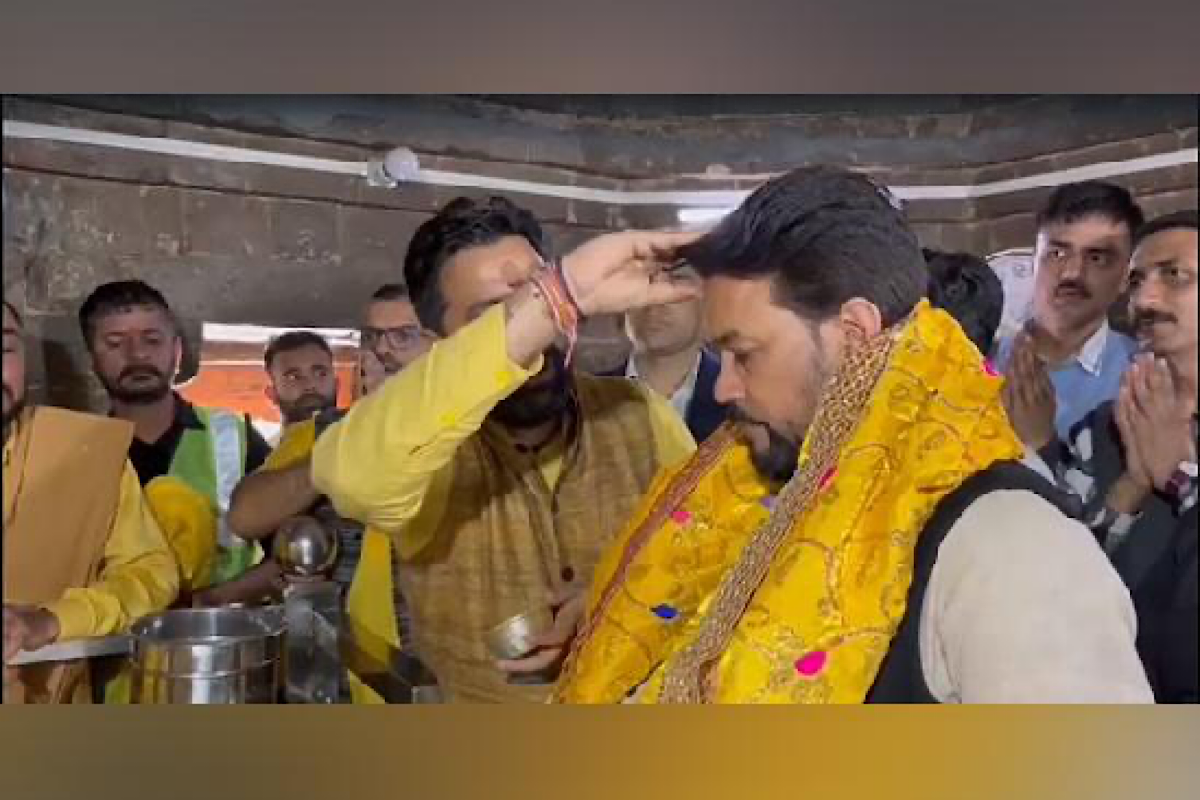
(618, 272)
(1154, 421)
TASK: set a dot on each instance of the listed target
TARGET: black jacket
(1168, 616)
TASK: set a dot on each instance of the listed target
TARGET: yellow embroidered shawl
(821, 622)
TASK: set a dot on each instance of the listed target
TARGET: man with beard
(391, 338)
(1068, 360)
(83, 556)
(862, 532)
(136, 349)
(303, 383)
(281, 493)
(499, 474)
(304, 387)
(303, 379)
(669, 355)
(1132, 461)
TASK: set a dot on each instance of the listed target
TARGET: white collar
(1091, 355)
(683, 395)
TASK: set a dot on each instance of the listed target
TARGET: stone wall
(224, 242)
(250, 243)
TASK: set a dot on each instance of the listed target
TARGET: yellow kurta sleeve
(139, 575)
(673, 442)
(377, 464)
(294, 446)
(189, 525)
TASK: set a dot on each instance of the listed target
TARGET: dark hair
(1167, 222)
(116, 296)
(1074, 201)
(294, 340)
(461, 224)
(826, 235)
(391, 292)
(968, 289)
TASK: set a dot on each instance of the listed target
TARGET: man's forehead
(390, 313)
(508, 260)
(1088, 231)
(735, 308)
(301, 356)
(140, 317)
(1177, 245)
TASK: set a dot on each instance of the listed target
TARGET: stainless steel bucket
(208, 656)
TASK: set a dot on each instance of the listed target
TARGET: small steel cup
(514, 637)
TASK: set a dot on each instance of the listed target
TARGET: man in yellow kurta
(863, 532)
(83, 556)
(301, 369)
(500, 475)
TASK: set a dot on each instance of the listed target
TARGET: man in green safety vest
(136, 348)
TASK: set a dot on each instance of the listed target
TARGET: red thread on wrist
(563, 309)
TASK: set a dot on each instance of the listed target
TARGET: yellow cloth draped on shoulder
(817, 626)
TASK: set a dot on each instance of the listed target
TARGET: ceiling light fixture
(397, 166)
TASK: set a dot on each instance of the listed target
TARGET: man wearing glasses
(392, 338)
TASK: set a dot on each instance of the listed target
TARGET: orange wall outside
(242, 388)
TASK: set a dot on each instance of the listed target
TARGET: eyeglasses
(398, 338)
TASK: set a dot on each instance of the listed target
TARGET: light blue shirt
(1086, 381)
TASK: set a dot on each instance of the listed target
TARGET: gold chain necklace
(841, 407)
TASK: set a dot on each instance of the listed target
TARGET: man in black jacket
(1167, 612)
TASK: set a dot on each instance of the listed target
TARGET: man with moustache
(1068, 360)
(1132, 461)
(303, 384)
(303, 379)
(863, 531)
(498, 472)
(281, 493)
(136, 348)
(83, 556)
(669, 355)
(391, 338)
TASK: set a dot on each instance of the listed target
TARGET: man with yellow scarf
(863, 531)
